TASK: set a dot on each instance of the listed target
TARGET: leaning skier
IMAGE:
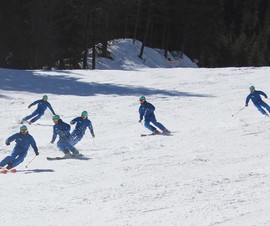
(23, 141)
(146, 111)
(62, 129)
(255, 96)
(82, 123)
(43, 104)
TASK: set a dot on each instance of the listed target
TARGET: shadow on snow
(27, 171)
(29, 81)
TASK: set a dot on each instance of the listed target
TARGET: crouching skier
(42, 105)
(82, 123)
(255, 96)
(146, 111)
(62, 129)
(23, 141)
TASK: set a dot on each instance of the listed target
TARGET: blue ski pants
(17, 156)
(65, 145)
(36, 114)
(75, 137)
(260, 106)
(154, 122)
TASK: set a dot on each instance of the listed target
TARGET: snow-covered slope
(214, 170)
(124, 56)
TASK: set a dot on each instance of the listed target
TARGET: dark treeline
(219, 33)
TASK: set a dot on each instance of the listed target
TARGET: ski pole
(1, 145)
(94, 141)
(30, 161)
(143, 117)
(238, 111)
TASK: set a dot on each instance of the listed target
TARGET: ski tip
(13, 170)
(4, 171)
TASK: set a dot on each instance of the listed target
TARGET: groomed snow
(214, 170)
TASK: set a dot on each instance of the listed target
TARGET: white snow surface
(213, 170)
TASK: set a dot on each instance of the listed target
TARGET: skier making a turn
(23, 141)
(146, 111)
(82, 123)
(255, 96)
(62, 129)
(43, 104)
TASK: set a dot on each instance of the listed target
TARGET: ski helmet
(85, 113)
(142, 98)
(56, 117)
(23, 127)
(45, 97)
(251, 88)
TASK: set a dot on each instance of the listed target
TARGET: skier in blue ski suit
(23, 141)
(62, 130)
(146, 111)
(43, 104)
(255, 96)
(82, 123)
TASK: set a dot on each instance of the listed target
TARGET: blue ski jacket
(82, 125)
(255, 97)
(62, 130)
(42, 106)
(23, 142)
(146, 110)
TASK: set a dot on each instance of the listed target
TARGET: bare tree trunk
(147, 29)
(184, 41)
(86, 42)
(137, 20)
(93, 41)
(105, 48)
(166, 39)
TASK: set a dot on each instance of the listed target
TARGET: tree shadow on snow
(63, 84)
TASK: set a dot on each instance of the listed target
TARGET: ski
(154, 134)
(56, 158)
(145, 135)
(5, 171)
(62, 158)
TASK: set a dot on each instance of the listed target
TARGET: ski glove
(7, 143)
(93, 135)
(36, 152)
(29, 106)
(246, 105)
(140, 120)
(52, 142)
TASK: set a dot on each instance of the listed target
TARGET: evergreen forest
(218, 33)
